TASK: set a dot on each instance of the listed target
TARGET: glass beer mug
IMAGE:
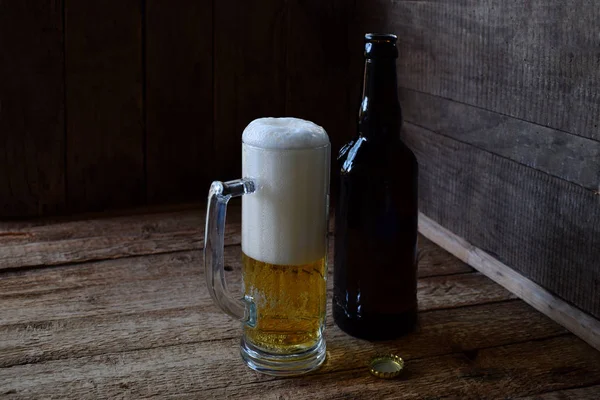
(285, 169)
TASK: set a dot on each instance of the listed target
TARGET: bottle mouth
(380, 45)
(381, 38)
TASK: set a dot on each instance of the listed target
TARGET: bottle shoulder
(362, 156)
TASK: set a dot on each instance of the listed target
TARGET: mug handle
(214, 241)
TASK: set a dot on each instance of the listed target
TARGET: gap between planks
(578, 322)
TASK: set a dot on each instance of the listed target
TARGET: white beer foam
(285, 221)
(284, 133)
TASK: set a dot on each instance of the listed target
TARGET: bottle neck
(380, 117)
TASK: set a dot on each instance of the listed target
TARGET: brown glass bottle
(375, 267)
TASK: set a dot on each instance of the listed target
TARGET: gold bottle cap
(386, 366)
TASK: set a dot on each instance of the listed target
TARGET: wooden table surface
(116, 307)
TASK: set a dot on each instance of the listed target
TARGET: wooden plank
(170, 281)
(578, 322)
(545, 228)
(105, 159)
(435, 261)
(249, 81)
(214, 370)
(440, 292)
(78, 241)
(317, 78)
(32, 125)
(585, 393)
(66, 241)
(179, 100)
(536, 60)
(573, 158)
(440, 332)
(19, 223)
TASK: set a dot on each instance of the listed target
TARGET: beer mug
(285, 188)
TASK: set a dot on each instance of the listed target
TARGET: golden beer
(290, 304)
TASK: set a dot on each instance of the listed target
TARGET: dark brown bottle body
(375, 266)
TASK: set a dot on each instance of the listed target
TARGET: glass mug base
(283, 364)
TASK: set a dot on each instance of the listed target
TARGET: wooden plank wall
(103, 64)
(179, 98)
(32, 140)
(125, 103)
(502, 106)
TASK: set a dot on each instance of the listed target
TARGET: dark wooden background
(119, 103)
(123, 103)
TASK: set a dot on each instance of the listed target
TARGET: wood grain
(32, 126)
(435, 261)
(213, 370)
(585, 393)
(58, 241)
(545, 228)
(249, 81)
(491, 373)
(105, 158)
(82, 240)
(440, 332)
(179, 100)
(581, 324)
(72, 240)
(157, 297)
(560, 154)
(171, 281)
(537, 61)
